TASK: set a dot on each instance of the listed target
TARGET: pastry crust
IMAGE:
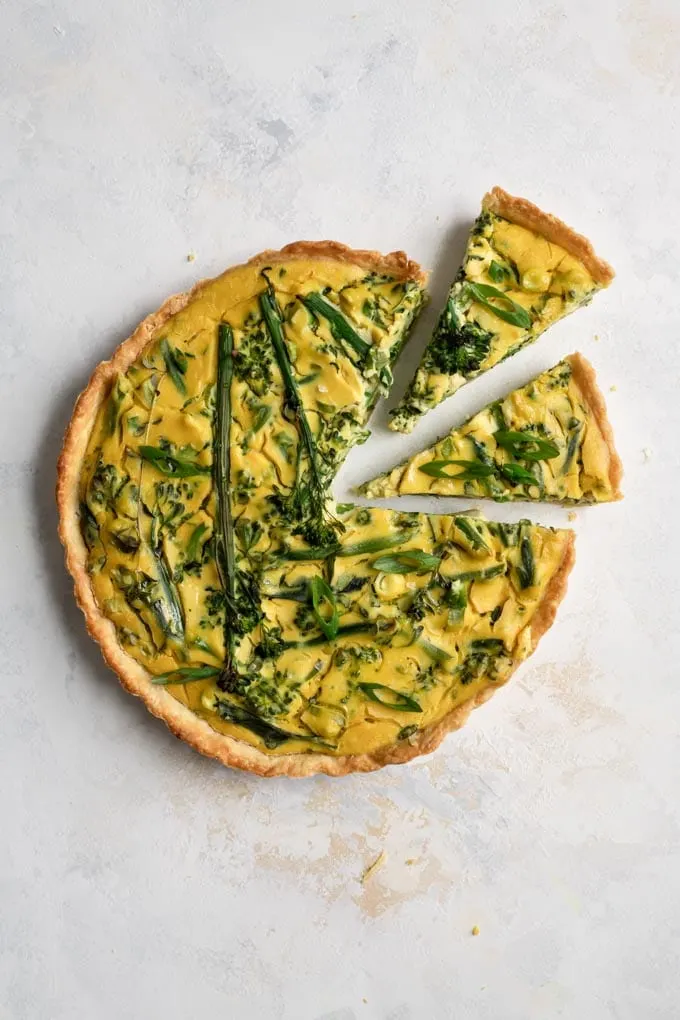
(180, 719)
(526, 214)
(583, 375)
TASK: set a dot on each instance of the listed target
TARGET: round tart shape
(268, 626)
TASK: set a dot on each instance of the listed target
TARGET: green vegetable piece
(412, 561)
(499, 273)
(113, 406)
(168, 464)
(272, 736)
(340, 327)
(509, 311)
(342, 632)
(369, 545)
(262, 415)
(526, 445)
(473, 536)
(176, 365)
(517, 475)
(389, 698)
(572, 447)
(456, 599)
(492, 646)
(526, 569)
(309, 496)
(437, 654)
(407, 731)
(322, 593)
(472, 469)
(174, 611)
(193, 545)
(241, 606)
(186, 674)
(479, 575)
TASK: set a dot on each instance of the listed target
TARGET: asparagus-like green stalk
(224, 528)
(369, 545)
(294, 411)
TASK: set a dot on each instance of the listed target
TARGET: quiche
(549, 440)
(269, 626)
(523, 270)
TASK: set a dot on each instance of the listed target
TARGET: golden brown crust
(544, 617)
(583, 375)
(396, 263)
(526, 214)
(180, 719)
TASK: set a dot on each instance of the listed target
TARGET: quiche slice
(268, 626)
(549, 440)
(523, 270)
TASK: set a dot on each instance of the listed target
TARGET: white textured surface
(138, 880)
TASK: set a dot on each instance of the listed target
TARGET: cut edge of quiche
(523, 270)
(547, 441)
(180, 719)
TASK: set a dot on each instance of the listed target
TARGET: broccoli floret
(455, 348)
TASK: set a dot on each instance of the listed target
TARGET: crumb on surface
(612, 388)
(596, 337)
(571, 516)
(646, 453)
(373, 867)
(191, 257)
(475, 930)
(411, 860)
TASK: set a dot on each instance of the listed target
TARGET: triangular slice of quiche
(523, 270)
(548, 441)
(268, 626)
